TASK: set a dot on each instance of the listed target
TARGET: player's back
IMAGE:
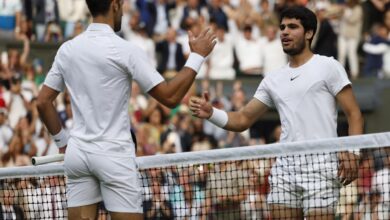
(99, 86)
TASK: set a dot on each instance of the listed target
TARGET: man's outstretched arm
(233, 121)
(170, 93)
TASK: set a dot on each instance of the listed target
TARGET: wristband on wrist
(194, 61)
(61, 138)
(219, 117)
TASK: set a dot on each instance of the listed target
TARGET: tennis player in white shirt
(305, 93)
(97, 68)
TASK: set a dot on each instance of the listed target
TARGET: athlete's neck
(104, 20)
(300, 59)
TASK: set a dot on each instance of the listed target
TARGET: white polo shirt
(305, 98)
(97, 68)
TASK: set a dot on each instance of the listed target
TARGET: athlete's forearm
(356, 123)
(170, 93)
(237, 122)
(180, 84)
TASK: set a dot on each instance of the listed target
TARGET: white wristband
(356, 152)
(194, 61)
(219, 118)
(61, 139)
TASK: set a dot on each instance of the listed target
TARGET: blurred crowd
(354, 32)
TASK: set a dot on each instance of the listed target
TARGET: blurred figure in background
(170, 53)
(350, 35)
(249, 53)
(10, 18)
(325, 41)
(272, 52)
(220, 62)
(44, 13)
(373, 65)
(72, 13)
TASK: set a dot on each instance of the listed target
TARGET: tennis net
(255, 182)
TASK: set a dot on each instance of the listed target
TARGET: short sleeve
(142, 70)
(55, 78)
(262, 94)
(337, 78)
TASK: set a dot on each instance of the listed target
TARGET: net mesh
(258, 182)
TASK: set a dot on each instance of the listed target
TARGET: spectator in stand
(140, 38)
(16, 62)
(153, 129)
(187, 198)
(226, 189)
(6, 131)
(373, 66)
(39, 75)
(138, 104)
(43, 142)
(72, 13)
(8, 207)
(272, 51)
(23, 140)
(30, 198)
(236, 139)
(176, 14)
(249, 53)
(10, 16)
(77, 29)
(193, 12)
(213, 131)
(380, 186)
(381, 49)
(241, 15)
(29, 88)
(43, 13)
(157, 207)
(220, 62)
(325, 40)
(160, 16)
(25, 31)
(16, 103)
(254, 206)
(217, 14)
(373, 11)
(53, 33)
(364, 181)
(386, 56)
(268, 16)
(350, 35)
(170, 52)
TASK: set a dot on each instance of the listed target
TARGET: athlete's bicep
(348, 103)
(347, 100)
(47, 94)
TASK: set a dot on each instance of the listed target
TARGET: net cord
(366, 141)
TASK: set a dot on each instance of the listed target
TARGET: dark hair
(98, 7)
(306, 16)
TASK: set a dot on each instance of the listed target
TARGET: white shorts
(92, 178)
(306, 190)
